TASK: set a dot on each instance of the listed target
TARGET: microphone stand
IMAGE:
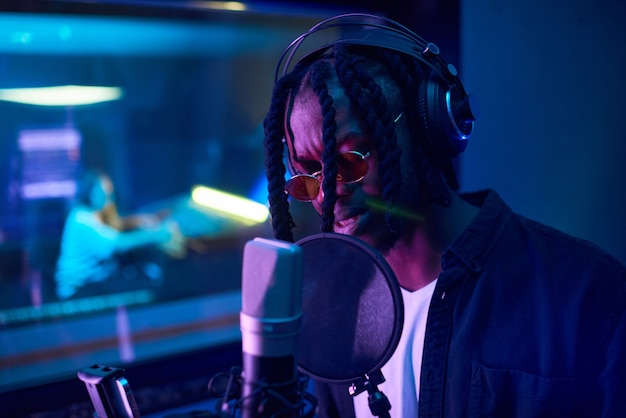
(378, 402)
(268, 402)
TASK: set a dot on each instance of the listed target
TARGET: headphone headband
(448, 108)
(390, 35)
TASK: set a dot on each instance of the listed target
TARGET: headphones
(443, 104)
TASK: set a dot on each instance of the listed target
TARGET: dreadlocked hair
(356, 76)
(281, 219)
(356, 69)
(402, 69)
(319, 73)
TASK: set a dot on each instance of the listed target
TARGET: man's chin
(369, 228)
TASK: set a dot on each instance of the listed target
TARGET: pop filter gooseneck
(352, 313)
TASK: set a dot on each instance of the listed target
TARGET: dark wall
(549, 80)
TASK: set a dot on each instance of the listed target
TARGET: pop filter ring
(356, 323)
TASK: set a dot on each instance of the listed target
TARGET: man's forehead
(305, 105)
(303, 121)
(308, 101)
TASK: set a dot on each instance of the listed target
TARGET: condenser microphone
(270, 319)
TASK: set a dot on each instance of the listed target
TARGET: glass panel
(178, 105)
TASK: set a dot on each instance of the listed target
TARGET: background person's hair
(85, 183)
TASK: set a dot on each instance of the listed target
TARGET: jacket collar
(474, 244)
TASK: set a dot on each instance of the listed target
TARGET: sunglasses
(351, 168)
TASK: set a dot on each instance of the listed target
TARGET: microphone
(270, 320)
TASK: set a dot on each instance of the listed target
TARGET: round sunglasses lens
(303, 187)
(351, 167)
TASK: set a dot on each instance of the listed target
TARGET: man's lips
(347, 222)
(346, 217)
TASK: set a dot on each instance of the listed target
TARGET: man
(94, 235)
(504, 317)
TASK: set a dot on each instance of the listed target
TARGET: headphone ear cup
(446, 134)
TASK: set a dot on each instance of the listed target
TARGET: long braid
(320, 72)
(368, 98)
(402, 70)
(281, 219)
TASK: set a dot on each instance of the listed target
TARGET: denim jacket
(525, 321)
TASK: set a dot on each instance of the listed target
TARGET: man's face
(354, 214)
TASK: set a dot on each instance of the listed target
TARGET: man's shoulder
(523, 235)
(573, 249)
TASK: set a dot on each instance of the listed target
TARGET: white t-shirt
(402, 371)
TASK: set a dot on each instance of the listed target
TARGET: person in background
(504, 316)
(95, 236)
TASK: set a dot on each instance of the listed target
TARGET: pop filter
(352, 310)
